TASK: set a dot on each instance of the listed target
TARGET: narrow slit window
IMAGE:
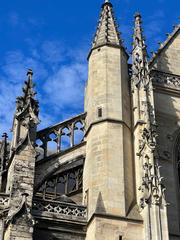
(99, 112)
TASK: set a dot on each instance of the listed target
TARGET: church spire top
(107, 30)
(138, 32)
(26, 114)
(27, 102)
(29, 85)
(139, 53)
(28, 98)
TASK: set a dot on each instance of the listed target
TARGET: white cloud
(60, 86)
(66, 87)
(53, 52)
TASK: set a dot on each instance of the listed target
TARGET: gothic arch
(64, 181)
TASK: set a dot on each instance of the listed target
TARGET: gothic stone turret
(108, 173)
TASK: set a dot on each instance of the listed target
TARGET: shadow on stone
(100, 208)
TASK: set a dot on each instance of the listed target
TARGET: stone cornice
(114, 217)
(111, 120)
(166, 81)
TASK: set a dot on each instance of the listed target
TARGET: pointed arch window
(65, 183)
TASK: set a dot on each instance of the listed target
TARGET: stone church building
(112, 172)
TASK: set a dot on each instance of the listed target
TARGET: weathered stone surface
(128, 151)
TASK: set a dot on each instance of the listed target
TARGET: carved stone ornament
(27, 107)
(60, 208)
(152, 188)
(15, 211)
(165, 79)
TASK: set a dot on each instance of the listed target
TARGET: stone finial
(139, 39)
(140, 50)
(5, 137)
(29, 85)
(137, 14)
(28, 100)
(26, 115)
(29, 72)
(107, 2)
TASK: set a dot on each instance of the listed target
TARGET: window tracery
(66, 183)
(60, 137)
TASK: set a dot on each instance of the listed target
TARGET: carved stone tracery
(60, 137)
(59, 208)
(66, 183)
(151, 187)
(165, 79)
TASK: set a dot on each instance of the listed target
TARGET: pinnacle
(28, 96)
(29, 72)
(28, 86)
(139, 46)
(138, 31)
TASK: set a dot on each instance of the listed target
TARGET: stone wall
(168, 60)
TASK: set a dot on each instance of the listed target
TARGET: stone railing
(60, 137)
(59, 209)
(165, 79)
(4, 200)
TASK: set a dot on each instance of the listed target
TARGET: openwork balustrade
(60, 137)
(166, 79)
(59, 208)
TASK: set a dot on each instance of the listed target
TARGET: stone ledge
(113, 217)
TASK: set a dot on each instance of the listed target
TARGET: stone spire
(26, 115)
(107, 31)
(28, 100)
(150, 189)
(138, 36)
(139, 54)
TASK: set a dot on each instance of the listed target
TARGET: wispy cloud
(66, 86)
(53, 52)
(60, 75)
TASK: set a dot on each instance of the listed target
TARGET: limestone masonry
(112, 172)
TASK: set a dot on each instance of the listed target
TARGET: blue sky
(53, 38)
